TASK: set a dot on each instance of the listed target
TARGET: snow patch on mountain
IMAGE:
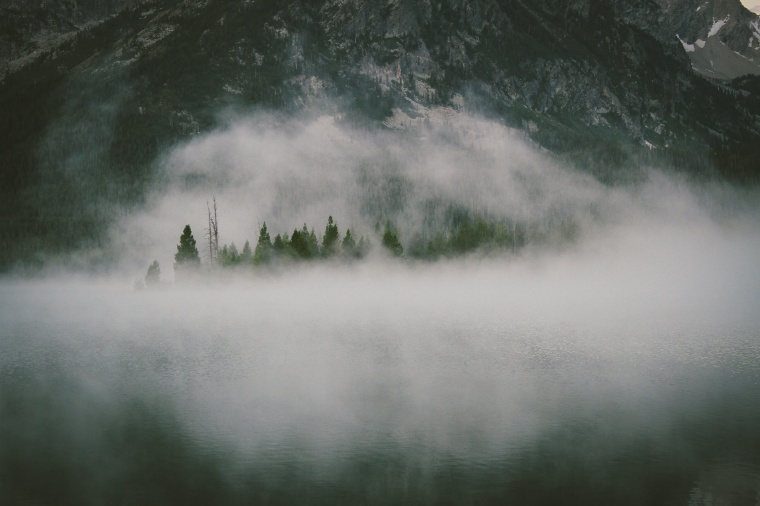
(755, 27)
(689, 48)
(721, 52)
(717, 25)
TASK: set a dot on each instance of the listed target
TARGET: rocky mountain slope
(722, 38)
(29, 28)
(599, 83)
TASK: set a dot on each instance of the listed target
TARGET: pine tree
(234, 255)
(229, 255)
(263, 252)
(279, 246)
(299, 243)
(187, 254)
(311, 239)
(330, 239)
(391, 242)
(153, 277)
(349, 245)
(363, 247)
(246, 255)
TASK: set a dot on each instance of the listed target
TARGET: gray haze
(641, 334)
(637, 338)
(292, 172)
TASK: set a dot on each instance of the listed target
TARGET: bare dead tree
(216, 232)
(209, 236)
(212, 233)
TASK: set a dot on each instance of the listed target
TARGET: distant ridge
(93, 93)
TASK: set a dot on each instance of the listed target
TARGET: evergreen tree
(391, 242)
(234, 255)
(331, 239)
(263, 252)
(246, 255)
(465, 239)
(187, 254)
(349, 245)
(362, 249)
(278, 246)
(153, 277)
(229, 255)
(287, 247)
(300, 244)
(313, 243)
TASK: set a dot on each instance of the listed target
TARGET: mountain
(28, 28)
(93, 92)
(722, 38)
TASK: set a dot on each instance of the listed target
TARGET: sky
(753, 5)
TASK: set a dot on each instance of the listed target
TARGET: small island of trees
(466, 234)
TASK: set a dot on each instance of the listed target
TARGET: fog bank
(287, 173)
(619, 363)
(594, 353)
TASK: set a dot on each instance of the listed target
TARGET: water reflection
(282, 393)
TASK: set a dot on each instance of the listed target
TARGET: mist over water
(287, 173)
(619, 367)
(628, 372)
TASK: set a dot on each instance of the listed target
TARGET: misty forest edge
(151, 106)
(466, 234)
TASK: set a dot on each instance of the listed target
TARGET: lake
(568, 380)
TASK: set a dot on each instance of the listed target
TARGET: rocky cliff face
(589, 67)
(30, 27)
(611, 65)
(721, 37)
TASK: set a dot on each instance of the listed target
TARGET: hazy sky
(753, 5)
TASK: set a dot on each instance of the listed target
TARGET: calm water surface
(376, 389)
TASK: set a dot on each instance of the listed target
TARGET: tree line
(467, 234)
(300, 246)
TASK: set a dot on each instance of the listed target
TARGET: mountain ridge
(591, 81)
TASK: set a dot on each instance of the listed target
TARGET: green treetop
(349, 244)
(311, 239)
(246, 255)
(229, 255)
(391, 242)
(299, 242)
(187, 253)
(263, 251)
(279, 245)
(330, 240)
(153, 277)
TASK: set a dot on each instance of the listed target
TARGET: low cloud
(290, 172)
(570, 354)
